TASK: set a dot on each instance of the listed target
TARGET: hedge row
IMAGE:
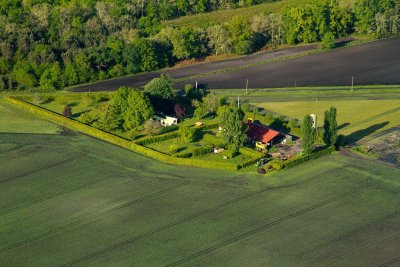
(184, 155)
(297, 161)
(209, 126)
(155, 139)
(116, 140)
(201, 150)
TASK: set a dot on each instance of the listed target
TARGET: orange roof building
(261, 133)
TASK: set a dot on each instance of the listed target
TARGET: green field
(199, 20)
(13, 120)
(356, 119)
(74, 200)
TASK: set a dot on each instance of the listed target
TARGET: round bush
(261, 171)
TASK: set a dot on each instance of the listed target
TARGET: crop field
(13, 120)
(184, 73)
(74, 200)
(372, 63)
(356, 119)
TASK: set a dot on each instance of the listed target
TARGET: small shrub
(67, 111)
(261, 171)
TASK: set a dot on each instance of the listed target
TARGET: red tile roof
(260, 132)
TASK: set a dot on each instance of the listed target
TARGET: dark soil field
(372, 63)
(143, 78)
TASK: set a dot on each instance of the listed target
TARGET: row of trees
(309, 133)
(55, 44)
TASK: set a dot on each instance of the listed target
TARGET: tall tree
(161, 92)
(307, 134)
(330, 127)
(234, 132)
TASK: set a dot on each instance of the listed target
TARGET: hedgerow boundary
(119, 141)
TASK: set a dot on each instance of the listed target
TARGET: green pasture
(74, 200)
(199, 20)
(356, 119)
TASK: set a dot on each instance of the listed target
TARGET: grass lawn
(74, 200)
(356, 119)
(200, 20)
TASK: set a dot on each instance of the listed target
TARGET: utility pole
(238, 103)
(352, 83)
(196, 85)
(247, 85)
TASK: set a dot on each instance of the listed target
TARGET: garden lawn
(356, 119)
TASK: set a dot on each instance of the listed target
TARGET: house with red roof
(262, 135)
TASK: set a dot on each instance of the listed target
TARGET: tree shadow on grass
(343, 125)
(360, 134)
(78, 114)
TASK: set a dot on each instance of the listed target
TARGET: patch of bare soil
(388, 149)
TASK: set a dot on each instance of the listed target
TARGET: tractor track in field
(56, 164)
(197, 214)
(95, 216)
(77, 187)
(340, 238)
(269, 225)
(391, 262)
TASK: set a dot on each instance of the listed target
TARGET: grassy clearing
(356, 119)
(219, 16)
(13, 120)
(111, 206)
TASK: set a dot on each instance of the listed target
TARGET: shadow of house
(360, 134)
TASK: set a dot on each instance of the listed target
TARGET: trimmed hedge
(155, 139)
(116, 140)
(209, 126)
(297, 161)
(184, 155)
(201, 150)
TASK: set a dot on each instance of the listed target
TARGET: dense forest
(52, 44)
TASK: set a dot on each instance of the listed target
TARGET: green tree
(130, 107)
(160, 91)
(234, 133)
(330, 127)
(307, 134)
(219, 39)
(139, 109)
(241, 35)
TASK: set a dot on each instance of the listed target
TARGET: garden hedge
(297, 161)
(116, 140)
(155, 139)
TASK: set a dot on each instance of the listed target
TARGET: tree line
(51, 45)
